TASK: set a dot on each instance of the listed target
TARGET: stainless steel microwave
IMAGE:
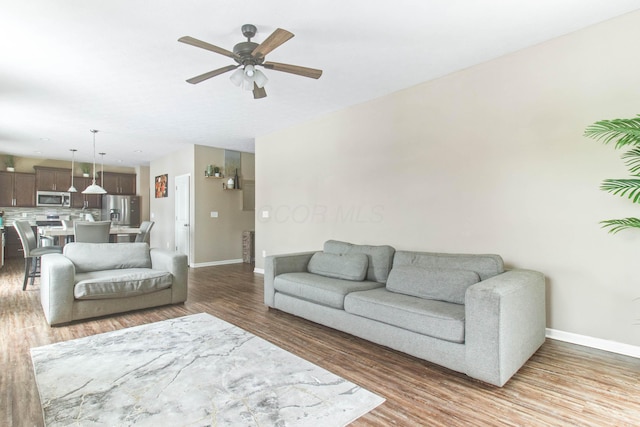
(53, 198)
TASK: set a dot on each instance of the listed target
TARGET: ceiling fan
(248, 55)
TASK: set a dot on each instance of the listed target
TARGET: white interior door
(183, 215)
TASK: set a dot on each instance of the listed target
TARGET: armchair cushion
(120, 283)
(105, 256)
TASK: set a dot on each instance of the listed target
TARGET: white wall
(487, 160)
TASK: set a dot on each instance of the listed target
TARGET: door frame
(185, 178)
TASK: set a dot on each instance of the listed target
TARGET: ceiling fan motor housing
(243, 51)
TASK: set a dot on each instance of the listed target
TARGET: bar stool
(32, 252)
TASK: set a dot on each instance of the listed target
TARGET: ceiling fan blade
(208, 46)
(258, 92)
(205, 76)
(294, 69)
(276, 38)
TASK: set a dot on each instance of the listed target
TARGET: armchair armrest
(280, 264)
(57, 277)
(176, 264)
(505, 324)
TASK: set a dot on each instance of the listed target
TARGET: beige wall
(162, 210)
(219, 239)
(213, 240)
(487, 160)
(142, 187)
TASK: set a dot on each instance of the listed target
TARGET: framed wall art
(162, 186)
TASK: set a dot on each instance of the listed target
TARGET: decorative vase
(236, 180)
(209, 170)
(230, 184)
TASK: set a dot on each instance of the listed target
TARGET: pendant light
(102, 168)
(94, 188)
(72, 189)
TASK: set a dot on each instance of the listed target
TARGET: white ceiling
(67, 66)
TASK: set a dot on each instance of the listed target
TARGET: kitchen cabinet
(52, 179)
(79, 200)
(119, 183)
(17, 189)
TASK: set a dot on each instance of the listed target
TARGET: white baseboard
(259, 270)
(214, 263)
(612, 346)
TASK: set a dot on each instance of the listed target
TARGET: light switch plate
(214, 214)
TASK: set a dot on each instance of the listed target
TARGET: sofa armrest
(176, 264)
(505, 324)
(280, 264)
(57, 278)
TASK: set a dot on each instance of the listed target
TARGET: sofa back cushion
(485, 265)
(339, 266)
(380, 257)
(439, 276)
(107, 256)
(429, 283)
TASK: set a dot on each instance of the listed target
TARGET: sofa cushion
(485, 265)
(339, 266)
(107, 256)
(429, 283)
(438, 319)
(319, 289)
(380, 257)
(120, 283)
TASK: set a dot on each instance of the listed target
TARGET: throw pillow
(427, 283)
(347, 266)
(380, 257)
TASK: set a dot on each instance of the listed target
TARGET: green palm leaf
(623, 131)
(623, 187)
(620, 224)
(633, 161)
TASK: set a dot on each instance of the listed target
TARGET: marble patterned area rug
(196, 370)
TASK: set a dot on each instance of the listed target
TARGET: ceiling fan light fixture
(249, 70)
(237, 77)
(260, 79)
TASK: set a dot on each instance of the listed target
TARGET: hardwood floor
(561, 385)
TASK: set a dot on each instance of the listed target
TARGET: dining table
(60, 234)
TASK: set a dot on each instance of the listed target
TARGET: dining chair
(92, 232)
(145, 228)
(67, 224)
(32, 252)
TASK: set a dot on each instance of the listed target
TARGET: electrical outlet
(214, 214)
(265, 214)
(264, 254)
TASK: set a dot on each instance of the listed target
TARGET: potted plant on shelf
(9, 162)
(86, 169)
(624, 132)
(216, 171)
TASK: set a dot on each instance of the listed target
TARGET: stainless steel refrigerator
(121, 210)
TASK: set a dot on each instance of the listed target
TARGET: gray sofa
(95, 279)
(464, 312)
